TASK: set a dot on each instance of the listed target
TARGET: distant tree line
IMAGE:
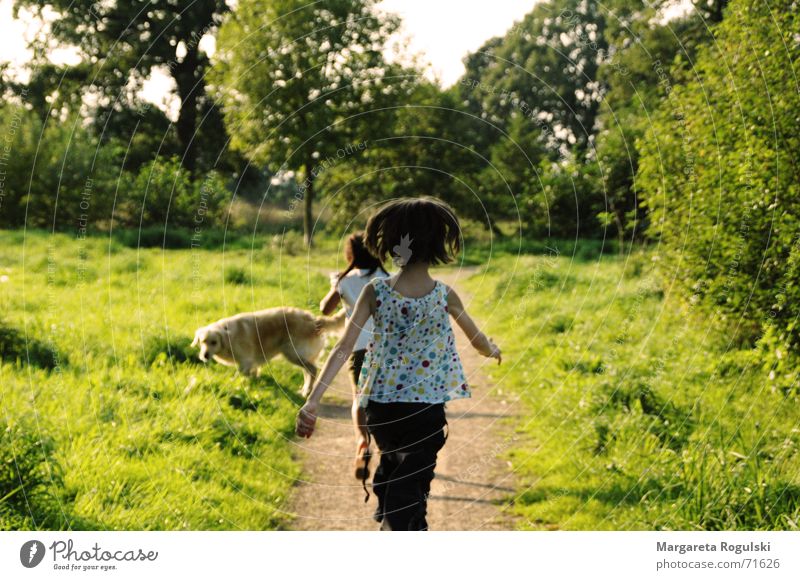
(565, 125)
(540, 130)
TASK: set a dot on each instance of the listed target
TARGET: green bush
(164, 194)
(58, 176)
(719, 171)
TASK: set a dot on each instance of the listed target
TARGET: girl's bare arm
(479, 340)
(364, 308)
(332, 299)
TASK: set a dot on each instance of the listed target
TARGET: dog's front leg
(247, 368)
(309, 375)
(309, 371)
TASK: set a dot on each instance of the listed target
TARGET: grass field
(636, 413)
(113, 425)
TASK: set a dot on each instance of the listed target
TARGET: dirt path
(470, 484)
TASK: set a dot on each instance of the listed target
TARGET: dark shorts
(409, 436)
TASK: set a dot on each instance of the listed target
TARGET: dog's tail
(331, 323)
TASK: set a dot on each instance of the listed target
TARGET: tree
(303, 83)
(578, 78)
(548, 61)
(514, 174)
(121, 43)
(537, 93)
(645, 60)
(427, 147)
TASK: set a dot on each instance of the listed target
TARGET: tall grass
(634, 411)
(631, 410)
(110, 420)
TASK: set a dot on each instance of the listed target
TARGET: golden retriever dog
(249, 340)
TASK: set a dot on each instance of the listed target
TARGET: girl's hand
(494, 351)
(306, 419)
(477, 339)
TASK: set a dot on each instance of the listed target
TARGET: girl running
(411, 368)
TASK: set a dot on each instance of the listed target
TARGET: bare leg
(359, 417)
(357, 413)
(359, 422)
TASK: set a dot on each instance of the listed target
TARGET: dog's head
(210, 340)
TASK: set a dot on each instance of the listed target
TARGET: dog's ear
(196, 337)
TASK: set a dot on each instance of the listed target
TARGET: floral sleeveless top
(412, 356)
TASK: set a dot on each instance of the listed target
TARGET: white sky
(442, 31)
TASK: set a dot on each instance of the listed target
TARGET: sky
(446, 30)
(442, 31)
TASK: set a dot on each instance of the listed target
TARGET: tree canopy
(120, 44)
(301, 82)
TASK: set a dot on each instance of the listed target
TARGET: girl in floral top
(412, 367)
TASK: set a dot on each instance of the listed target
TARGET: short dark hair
(427, 225)
(358, 256)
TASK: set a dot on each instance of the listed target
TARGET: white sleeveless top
(349, 289)
(412, 356)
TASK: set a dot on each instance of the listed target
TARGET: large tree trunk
(308, 204)
(190, 89)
